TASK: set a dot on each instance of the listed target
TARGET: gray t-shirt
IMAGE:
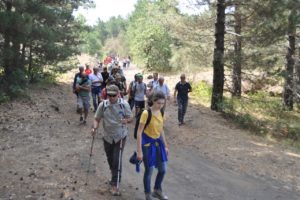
(139, 91)
(111, 114)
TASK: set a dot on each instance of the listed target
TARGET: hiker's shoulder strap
(105, 104)
(162, 112)
(149, 117)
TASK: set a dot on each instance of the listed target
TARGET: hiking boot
(81, 118)
(159, 195)
(148, 196)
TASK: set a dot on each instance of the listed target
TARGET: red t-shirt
(87, 71)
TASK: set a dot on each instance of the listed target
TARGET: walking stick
(119, 166)
(91, 153)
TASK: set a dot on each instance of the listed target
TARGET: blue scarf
(152, 149)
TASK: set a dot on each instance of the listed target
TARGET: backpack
(138, 117)
(120, 102)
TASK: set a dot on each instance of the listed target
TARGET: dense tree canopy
(35, 35)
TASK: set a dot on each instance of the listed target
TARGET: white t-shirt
(95, 78)
(164, 88)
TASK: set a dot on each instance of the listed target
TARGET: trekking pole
(119, 165)
(91, 153)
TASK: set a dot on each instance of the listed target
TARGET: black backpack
(138, 117)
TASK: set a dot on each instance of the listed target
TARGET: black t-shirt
(183, 90)
(105, 76)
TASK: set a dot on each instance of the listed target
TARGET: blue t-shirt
(183, 90)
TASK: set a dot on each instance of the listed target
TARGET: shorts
(96, 90)
(139, 104)
(83, 102)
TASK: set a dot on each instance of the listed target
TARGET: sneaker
(159, 195)
(115, 191)
(81, 118)
(148, 196)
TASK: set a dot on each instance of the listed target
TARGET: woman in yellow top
(152, 147)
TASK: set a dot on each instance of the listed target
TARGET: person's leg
(131, 103)
(109, 154)
(180, 110)
(137, 107)
(184, 108)
(115, 161)
(99, 96)
(142, 104)
(162, 168)
(80, 106)
(94, 96)
(86, 105)
(148, 171)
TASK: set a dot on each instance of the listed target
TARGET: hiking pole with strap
(119, 165)
(91, 153)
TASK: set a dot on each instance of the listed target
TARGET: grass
(261, 114)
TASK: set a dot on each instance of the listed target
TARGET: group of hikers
(113, 103)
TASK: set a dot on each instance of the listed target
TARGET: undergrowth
(257, 112)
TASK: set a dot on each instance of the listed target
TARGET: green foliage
(257, 112)
(149, 40)
(33, 36)
(151, 47)
(96, 37)
(202, 91)
(3, 97)
(263, 114)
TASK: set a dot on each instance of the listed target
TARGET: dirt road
(45, 152)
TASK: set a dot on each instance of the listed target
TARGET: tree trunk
(237, 65)
(7, 51)
(30, 67)
(218, 62)
(289, 67)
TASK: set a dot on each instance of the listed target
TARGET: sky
(107, 8)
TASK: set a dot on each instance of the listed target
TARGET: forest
(252, 49)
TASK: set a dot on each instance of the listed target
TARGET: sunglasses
(111, 95)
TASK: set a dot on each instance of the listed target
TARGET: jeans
(162, 168)
(96, 91)
(182, 106)
(112, 153)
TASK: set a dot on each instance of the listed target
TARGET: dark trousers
(131, 103)
(96, 91)
(112, 153)
(182, 106)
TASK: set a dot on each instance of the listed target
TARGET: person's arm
(168, 92)
(165, 141)
(139, 141)
(85, 87)
(74, 83)
(175, 92)
(96, 125)
(140, 130)
(128, 118)
(129, 90)
(190, 88)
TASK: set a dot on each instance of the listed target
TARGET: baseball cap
(112, 89)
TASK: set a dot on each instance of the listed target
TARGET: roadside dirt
(45, 154)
